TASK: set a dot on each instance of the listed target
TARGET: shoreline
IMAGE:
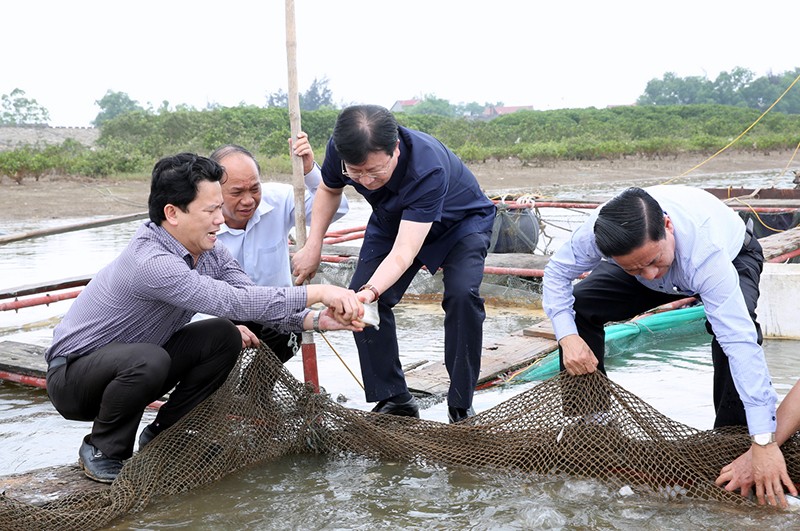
(64, 197)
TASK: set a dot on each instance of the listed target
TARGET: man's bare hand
(327, 322)
(738, 475)
(342, 304)
(249, 339)
(577, 356)
(303, 149)
(305, 263)
(770, 475)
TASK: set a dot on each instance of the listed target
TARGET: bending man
(649, 247)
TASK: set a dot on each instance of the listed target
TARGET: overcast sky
(548, 54)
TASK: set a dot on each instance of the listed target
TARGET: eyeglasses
(377, 174)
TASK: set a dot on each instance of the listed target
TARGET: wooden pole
(308, 349)
(10, 238)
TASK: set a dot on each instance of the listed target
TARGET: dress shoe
(408, 408)
(96, 465)
(457, 414)
(145, 437)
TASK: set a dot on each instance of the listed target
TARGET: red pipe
(342, 232)
(16, 304)
(557, 204)
(784, 257)
(344, 238)
(516, 271)
(41, 383)
(310, 371)
(33, 381)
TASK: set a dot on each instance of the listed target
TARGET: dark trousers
(610, 294)
(462, 272)
(112, 385)
(283, 345)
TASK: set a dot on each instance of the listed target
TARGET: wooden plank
(44, 485)
(543, 328)
(780, 243)
(513, 352)
(22, 358)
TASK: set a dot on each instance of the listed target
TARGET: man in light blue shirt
(258, 218)
(648, 247)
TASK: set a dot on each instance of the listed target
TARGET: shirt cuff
(563, 325)
(761, 419)
(313, 178)
(297, 298)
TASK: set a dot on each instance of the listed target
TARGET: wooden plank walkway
(44, 485)
(513, 352)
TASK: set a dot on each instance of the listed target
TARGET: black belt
(58, 361)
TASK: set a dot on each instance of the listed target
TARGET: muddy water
(312, 492)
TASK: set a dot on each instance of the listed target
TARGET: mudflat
(59, 197)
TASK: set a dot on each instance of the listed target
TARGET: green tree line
(132, 142)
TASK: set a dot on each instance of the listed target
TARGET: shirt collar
(263, 208)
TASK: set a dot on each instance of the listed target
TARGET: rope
(732, 142)
(342, 360)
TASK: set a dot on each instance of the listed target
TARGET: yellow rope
(794, 154)
(732, 142)
(342, 360)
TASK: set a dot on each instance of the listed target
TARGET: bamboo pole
(70, 228)
(308, 349)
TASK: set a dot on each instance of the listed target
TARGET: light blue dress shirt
(708, 236)
(262, 247)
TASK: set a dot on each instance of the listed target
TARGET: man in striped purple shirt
(126, 341)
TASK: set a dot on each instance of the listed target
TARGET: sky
(546, 54)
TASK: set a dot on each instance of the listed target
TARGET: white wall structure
(778, 305)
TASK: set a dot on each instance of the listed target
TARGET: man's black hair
(628, 221)
(175, 180)
(364, 129)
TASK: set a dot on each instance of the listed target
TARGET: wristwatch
(315, 321)
(763, 439)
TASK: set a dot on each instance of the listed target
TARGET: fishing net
(582, 426)
(514, 231)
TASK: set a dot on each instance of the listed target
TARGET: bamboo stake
(10, 238)
(308, 349)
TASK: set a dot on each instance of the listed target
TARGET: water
(334, 492)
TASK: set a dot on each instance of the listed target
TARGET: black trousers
(283, 345)
(112, 385)
(610, 294)
(378, 350)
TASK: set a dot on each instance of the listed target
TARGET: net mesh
(584, 426)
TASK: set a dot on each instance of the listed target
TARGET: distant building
(402, 105)
(492, 112)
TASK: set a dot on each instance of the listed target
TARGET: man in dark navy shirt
(428, 210)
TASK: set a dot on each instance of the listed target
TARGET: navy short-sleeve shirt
(429, 185)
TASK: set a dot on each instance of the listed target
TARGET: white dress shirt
(262, 247)
(708, 236)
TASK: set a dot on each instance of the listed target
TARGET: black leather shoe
(401, 409)
(457, 414)
(96, 465)
(145, 437)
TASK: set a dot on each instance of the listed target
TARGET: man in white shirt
(258, 218)
(648, 247)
